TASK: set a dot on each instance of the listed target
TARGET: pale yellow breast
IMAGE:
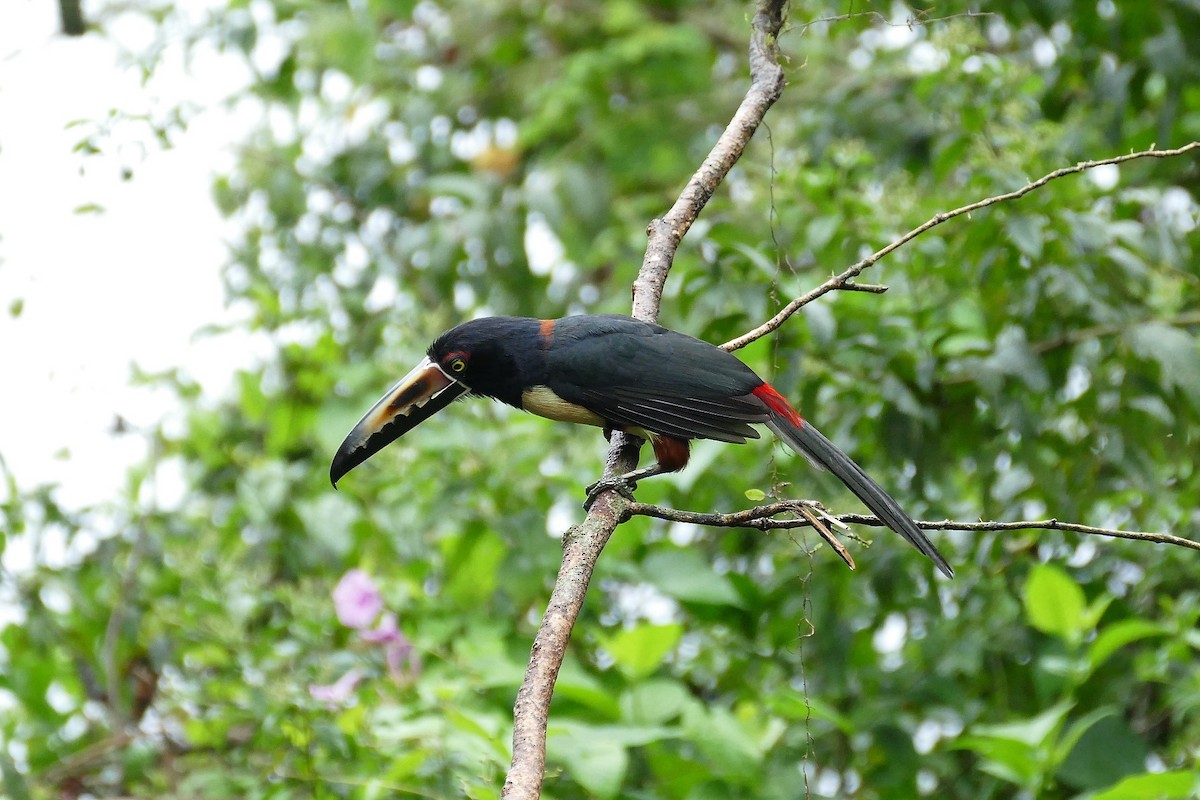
(541, 400)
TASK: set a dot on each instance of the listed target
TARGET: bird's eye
(458, 365)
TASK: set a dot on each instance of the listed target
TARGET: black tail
(812, 444)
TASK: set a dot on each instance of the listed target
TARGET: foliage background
(420, 163)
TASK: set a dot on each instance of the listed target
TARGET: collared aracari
(617, 373)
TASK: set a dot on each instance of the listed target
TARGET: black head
(496, 357)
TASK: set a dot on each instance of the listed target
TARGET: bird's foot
(621, 484)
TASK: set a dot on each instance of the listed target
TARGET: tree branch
(71, 15)
(762, 518)
(665, 234)
(582, 544)
(841, 281)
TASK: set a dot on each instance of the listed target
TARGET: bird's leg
(672, 454)
(621, 484)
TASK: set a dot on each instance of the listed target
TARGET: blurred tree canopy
(419, 163)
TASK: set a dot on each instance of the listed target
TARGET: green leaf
(1034, 732)
(14, 783)
(344, 42)
(485, 739)
(598, 765)
(1177, 785)
(821, 323)
(654, 701)
(1007, 759)
(1176, 352)
(1020, 751)
(1102, 749)
(1116, 636)
(755, 495)
(580, 686)
(1012, 357)
(328, 520)
(639, 651)
(1054, 603)
(756, 257)
(596, 755)
(799, 707)
(724, 742)
(685, 575)
(1094, 611)
(1027, 233)
(464, 187)
(473, 560)
(821, 230)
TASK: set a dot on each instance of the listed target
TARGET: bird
(619, 374)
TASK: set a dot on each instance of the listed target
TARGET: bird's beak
(418, 396)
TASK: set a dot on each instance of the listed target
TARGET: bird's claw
(621, 484)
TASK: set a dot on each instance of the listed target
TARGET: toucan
(619, 374)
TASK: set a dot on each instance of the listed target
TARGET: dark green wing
(635, 374)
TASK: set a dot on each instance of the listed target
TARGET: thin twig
(757, 517)
(840, 281)
(827, 535)
(763, 518)
(1042, 524)
(871, 288)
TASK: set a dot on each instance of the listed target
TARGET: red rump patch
(546, 332)
(776, 402)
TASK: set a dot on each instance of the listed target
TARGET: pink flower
(338, 692)
(356, 600)
(402, 660)
(386, 631)
(397, 651)
(358, 604)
